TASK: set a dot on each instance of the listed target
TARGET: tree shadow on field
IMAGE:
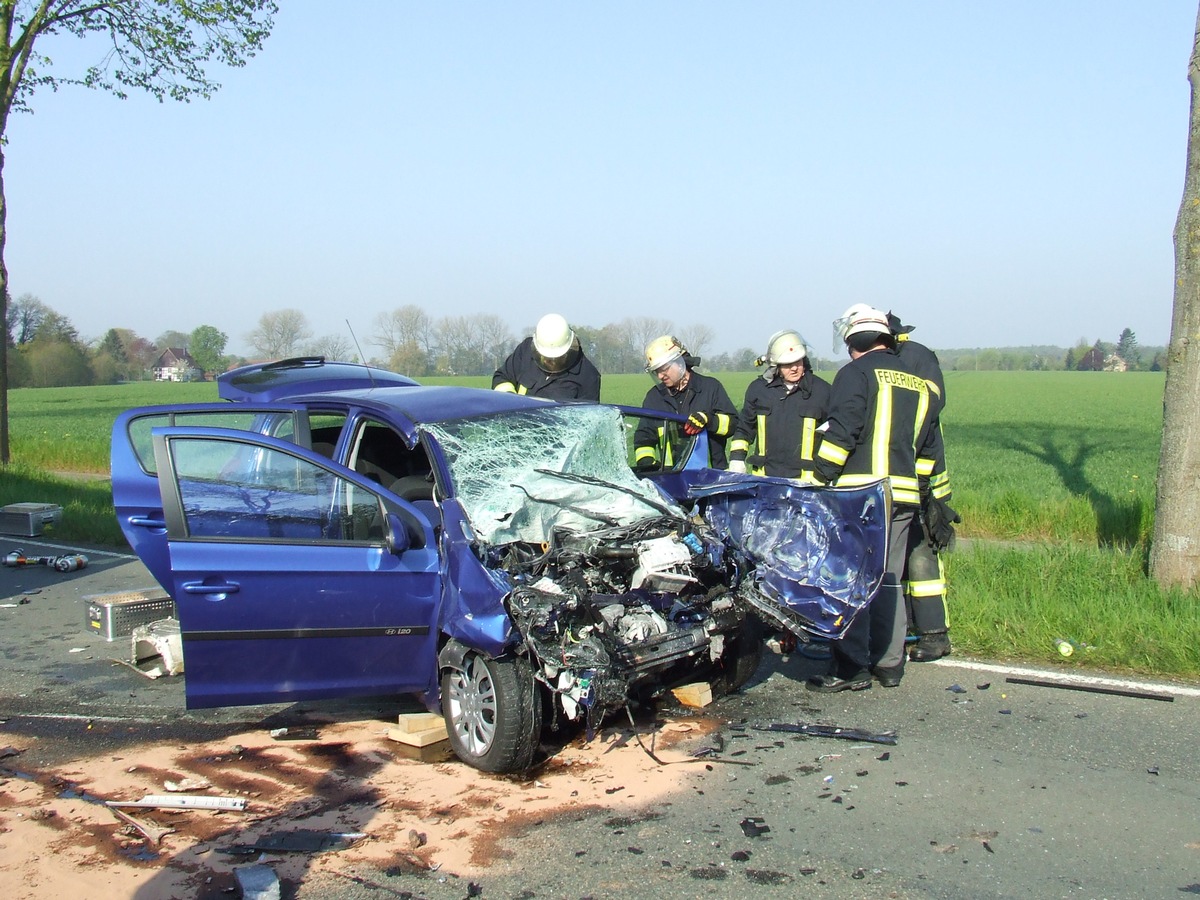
(1118, 522)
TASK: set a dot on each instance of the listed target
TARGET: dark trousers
(876, 636)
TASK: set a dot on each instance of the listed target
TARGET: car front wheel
(493, 712)
(742, 659)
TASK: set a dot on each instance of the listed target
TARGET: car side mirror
(396, 537)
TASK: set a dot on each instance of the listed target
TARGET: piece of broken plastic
(299, 841)
(258, 882)
(834, 731)
(752, 826)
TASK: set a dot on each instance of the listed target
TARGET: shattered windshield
(521, 474)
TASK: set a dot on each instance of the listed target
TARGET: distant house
(175, 364)
(1114, 363)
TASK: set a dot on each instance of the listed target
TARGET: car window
(276, 424)
(380, 453)
(236, 491)
(324, 429)
(673, 447)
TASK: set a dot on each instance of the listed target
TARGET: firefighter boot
(931, 646)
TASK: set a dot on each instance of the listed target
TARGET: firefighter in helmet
(878, 427)
(681, 389)
(781, 413)
(550, 364)
(924, 576)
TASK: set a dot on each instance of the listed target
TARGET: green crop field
(1054, 473)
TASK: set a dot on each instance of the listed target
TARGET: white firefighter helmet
(553, 337)
(663, 350)
(858, 319)
(785, 347)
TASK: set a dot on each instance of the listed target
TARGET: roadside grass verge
(1015, 602)
(87, 506)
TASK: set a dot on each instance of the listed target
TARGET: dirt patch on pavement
(58, 838)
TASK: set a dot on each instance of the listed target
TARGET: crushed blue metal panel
(818, 552)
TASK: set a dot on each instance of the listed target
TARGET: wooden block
(419, 721)
(419, 738)
(696, 695)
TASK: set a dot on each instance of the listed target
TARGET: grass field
(1054, 473)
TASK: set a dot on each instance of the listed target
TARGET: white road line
(1068, 677)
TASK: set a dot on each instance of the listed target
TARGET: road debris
(258, 882)
(300, 841)
(307, 733)
(153, 833)
(161, 801)
(187, 784)
(1091, 688)
(753, 826)
(151, 673)
(833, 731)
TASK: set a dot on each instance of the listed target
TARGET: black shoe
(930, 647)
(831, 684)
(888, 676)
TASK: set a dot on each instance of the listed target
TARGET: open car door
(294, 577)
(134, 485)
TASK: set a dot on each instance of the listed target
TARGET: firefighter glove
(737, 465)
(940, 518)
(695, 423)
(647, 464)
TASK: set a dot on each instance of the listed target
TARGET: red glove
(695, 423)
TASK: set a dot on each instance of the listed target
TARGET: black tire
(743, 657)
(493, 712)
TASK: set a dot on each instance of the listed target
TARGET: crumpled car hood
(818, 554)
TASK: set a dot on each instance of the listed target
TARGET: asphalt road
(993, 789)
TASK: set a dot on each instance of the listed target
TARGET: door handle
(147, 522)
(197, 587)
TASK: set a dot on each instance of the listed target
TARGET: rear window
(281, 425)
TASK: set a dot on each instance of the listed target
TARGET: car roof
(264, 382)
(424, 404)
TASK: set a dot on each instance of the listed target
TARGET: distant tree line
(1124, 356)
(45, 349)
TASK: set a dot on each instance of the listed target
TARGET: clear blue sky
(997, 173)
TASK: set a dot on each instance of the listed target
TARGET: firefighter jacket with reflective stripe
(878, 426)
(924, 362)
(521, 374)
(703, 393)
(782, 426)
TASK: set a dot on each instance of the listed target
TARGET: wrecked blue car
(495, 554)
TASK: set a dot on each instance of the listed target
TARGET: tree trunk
(1175, 553)
(4, 457)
